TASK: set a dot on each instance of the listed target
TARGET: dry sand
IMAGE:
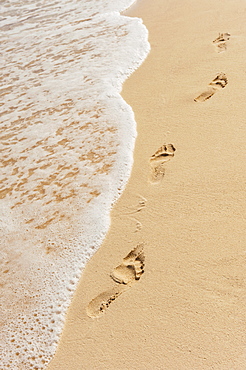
(187, 310)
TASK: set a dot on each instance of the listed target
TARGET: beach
(166, 290)
(186, 208)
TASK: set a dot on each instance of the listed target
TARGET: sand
(183, 209)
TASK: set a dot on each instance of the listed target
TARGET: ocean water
(67, 140)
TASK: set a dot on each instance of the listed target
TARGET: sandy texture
(185, 202)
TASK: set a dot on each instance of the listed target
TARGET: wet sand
(178, 300)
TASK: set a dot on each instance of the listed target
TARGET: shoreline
(67, 154)
(186, 311)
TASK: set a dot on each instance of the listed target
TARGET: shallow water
(67, 139)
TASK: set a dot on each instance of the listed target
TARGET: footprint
(158, 160)
(220, 42)
(98, 305)
(138, 225)
(130, 270)
(219, 82)
(135, 209)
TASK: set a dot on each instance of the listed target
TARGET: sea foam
(67, 140)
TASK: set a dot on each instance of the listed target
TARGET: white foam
(67, 139)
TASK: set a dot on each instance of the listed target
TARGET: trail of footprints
(132, 266)
(220, 81)
(124, 275)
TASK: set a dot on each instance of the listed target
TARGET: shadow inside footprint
(219, 82)
(130, 270)
(158, 160)
(221, 42)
